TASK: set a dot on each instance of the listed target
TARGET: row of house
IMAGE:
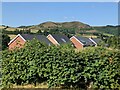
(54, 39)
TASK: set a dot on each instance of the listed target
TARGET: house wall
(52, 40)
(77, 44)
(18, 42)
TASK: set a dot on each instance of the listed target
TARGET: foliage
(5, 40)
(0, 40)
(109, 29)
(4, 31)
(70, 28)
(20, 64)
(113, 42)
(61, 66)
(102, 68)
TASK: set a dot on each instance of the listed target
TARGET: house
(58, 39)
(81, 42)
(96, 41)
(20, 40)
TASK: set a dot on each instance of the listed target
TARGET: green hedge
(61, 66)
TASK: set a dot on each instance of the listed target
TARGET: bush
(61, 66)
(4, 41)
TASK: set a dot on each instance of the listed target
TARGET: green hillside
(68, 28)
(108, 29)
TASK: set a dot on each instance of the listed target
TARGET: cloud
(65, 17)
(117, 0)
(72, 17)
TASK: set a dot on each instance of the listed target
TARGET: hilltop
(74, 24)
(49, 25)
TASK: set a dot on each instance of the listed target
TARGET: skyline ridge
(58, 22)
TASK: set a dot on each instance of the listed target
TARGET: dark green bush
(61, 66)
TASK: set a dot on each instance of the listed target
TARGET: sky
(32, 13)
(60, 0)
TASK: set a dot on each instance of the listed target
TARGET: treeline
(71, 29)
(114, 30)
(4, 31)
(61, 66)
(113, 42)
(56, 30)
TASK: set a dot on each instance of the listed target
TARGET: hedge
(61, 66)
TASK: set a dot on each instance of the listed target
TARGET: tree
(5, 41)
(113, 42)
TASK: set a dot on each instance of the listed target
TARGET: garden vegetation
(61, 66)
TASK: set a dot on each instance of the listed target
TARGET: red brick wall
(18, 42)
(52, 40)
(76, 43)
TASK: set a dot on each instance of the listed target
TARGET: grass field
(34, 31)
(11, 36)
(86, 35)
(107, 34)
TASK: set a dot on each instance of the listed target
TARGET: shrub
(61, 66)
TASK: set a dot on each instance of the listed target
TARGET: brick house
(58, 39)
(81, 42)
(20, 40)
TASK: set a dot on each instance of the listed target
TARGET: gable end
(16, 38)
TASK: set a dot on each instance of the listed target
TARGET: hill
(46, 28)
(68, 28)
(74, 24)
(114, 30)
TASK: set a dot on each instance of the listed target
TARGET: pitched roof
(96, 40)
(41, 38)
(85, 41)
(25, 37)
(60, 38)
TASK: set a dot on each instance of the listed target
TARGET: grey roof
(85, 41)
(41, 38)
(61, 38)
(96, 40)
